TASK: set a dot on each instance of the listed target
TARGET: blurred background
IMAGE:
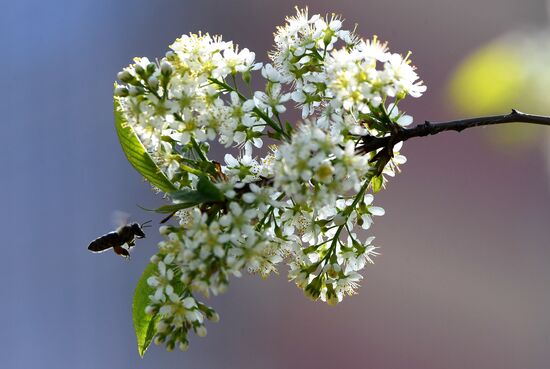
(463, 280)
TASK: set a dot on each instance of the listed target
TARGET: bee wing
(120, 218)
(105, 242)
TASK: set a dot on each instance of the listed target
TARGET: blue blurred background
(463, 279)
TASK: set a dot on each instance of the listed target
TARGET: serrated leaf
(144, 324)
(136, 153)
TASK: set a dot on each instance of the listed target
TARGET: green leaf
(167, 209)
(206, 192)
(136, 153)
(189, 196)
(209, 190)
(144, 324)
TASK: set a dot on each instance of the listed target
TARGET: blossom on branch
(308, 203)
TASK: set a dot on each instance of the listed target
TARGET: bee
(124, 235)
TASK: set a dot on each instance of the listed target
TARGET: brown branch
(371, 143)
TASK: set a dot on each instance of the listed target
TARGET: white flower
(400, 118)
(272, 100)
(355, 258)
(374, 50)
(240, 125)
(306, 98)
(347, 285)
(245, 168)
(272, 74)
(233, 62)
(400, 78)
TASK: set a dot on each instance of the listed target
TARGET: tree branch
(371, 143)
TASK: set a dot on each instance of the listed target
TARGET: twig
(371, 143)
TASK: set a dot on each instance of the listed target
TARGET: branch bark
(371, 143)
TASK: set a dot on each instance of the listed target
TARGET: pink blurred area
(463, 277)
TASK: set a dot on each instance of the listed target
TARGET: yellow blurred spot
(488, 80)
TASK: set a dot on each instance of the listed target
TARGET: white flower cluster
(300, 49)
(199, 255)
(307, 202)
(174, 103)
(355, 83)
(178, 310)
(316, 168)
(326, 181)
(355, 78)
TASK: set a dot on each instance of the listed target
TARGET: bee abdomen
(105, 242)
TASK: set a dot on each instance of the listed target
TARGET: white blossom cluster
(307, 202)
(199, 255)
(316, 168)
(362, 77)
(173, 103)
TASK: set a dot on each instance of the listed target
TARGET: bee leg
(119, 250)
(128, 246)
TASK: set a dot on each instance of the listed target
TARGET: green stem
(267, 214)
(347, 214)
(198, 150)
(234, 82)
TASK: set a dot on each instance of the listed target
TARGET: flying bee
(124, 235)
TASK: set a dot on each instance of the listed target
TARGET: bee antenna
(145, 224)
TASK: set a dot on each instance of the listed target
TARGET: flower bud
(121, 91)
(184, 346)
(161, 326)
(164, 230)
(139, 70)
(155, 259)
(166, 68)
(125, 76)
(201, 331)
(135, 91)
(153, 82)
(151, 67)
